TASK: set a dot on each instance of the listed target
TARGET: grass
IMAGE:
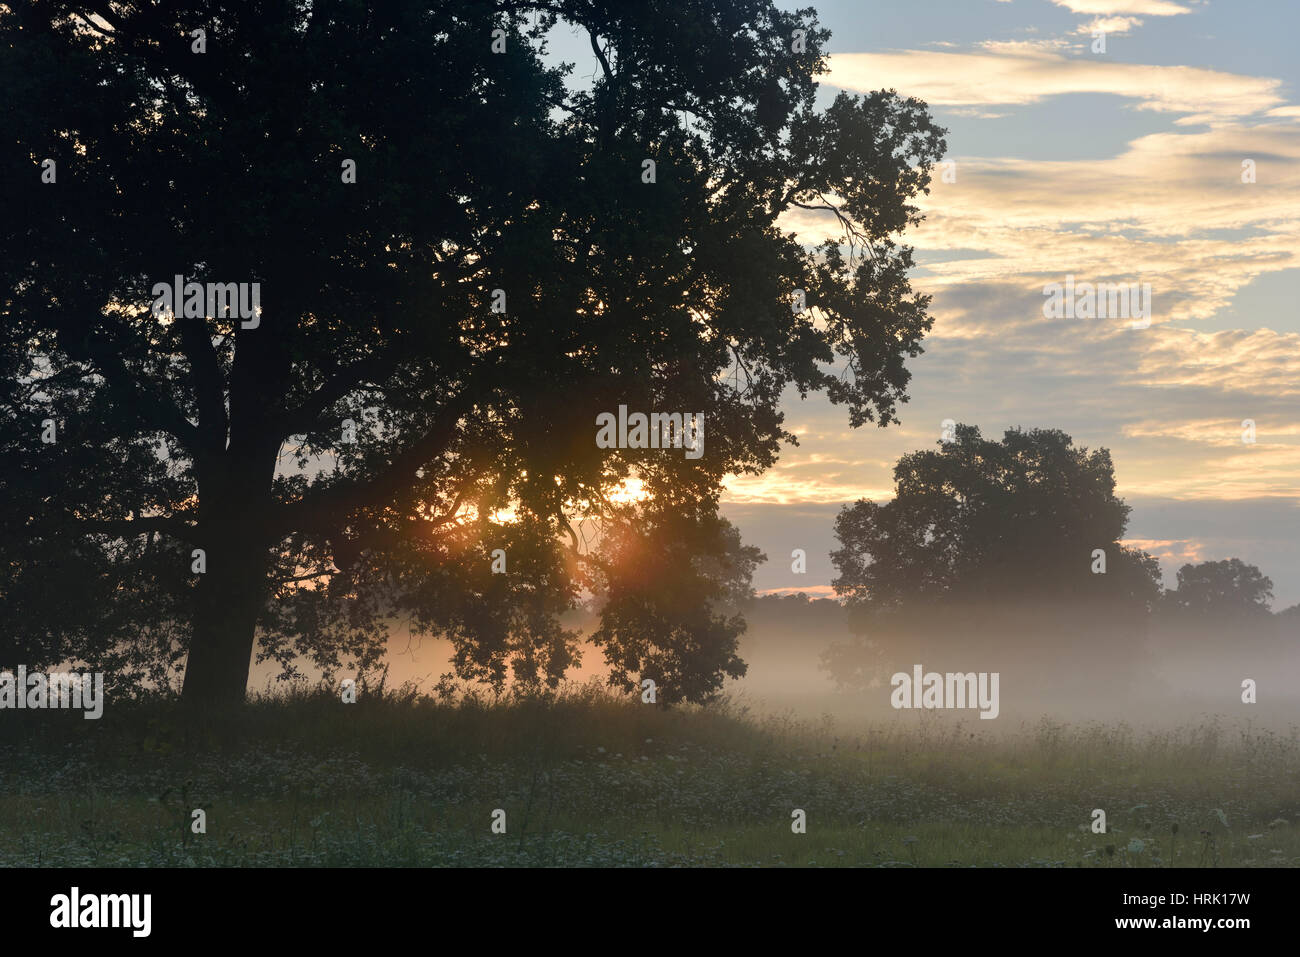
(589, 779)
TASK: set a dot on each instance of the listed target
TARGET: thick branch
(326, 509)
(151, 408)
(600, 55)
(172, 526)
(305, 418)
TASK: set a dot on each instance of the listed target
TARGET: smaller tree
(1219, 609)
(1014, 520)
(1223, 589)
(1013, 544)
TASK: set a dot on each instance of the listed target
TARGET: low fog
(805, 661)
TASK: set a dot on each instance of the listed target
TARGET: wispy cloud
(1002, 73)
(1109, 25)
(1169, 550)
(1152, 8)
(812, 591)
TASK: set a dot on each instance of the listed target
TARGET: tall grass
(588, 778)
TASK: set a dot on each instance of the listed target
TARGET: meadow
(588, 779)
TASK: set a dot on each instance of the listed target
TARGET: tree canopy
(999, 555)
(1016, 520)
(1229, 588)
(464, 252)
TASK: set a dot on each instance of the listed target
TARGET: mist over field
(1172, 678)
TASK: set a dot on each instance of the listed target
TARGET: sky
(1122, 166)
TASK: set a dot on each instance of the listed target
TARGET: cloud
(1171, 210)
(1220, 432)
(1109, 25)
(1154, 8)
(812, 591)
(1266, 362)
(1021, 73)
(975, 112)
(820, 480)
(1179, 550)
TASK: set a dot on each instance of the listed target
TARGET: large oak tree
(344, 459)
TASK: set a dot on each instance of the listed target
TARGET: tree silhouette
(1217, 608)
(1228, 588)
(464, 253)
(993, 520)
(987, 541)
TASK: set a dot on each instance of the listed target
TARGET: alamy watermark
(1103, 300)
(58, 690)
(951, 690)
(213, 300)
(658, 430)
(75, 909)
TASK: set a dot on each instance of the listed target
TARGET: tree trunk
(228, 599)
(236, 469)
